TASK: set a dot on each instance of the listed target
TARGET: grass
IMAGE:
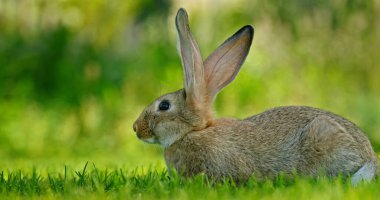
(91, 182)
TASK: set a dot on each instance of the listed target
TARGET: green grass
(91, 182)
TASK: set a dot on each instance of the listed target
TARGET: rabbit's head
(173, 115)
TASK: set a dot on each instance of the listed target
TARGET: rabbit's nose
(135, 127)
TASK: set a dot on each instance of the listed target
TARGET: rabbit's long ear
(194, 82)
(222, 66)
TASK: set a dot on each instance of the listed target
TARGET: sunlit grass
(145, 183)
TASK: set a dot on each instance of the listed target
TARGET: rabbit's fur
(285, 140)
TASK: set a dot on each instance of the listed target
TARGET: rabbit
(283, 140)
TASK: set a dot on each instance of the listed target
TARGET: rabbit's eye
(164, 105)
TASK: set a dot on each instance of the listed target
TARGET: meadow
(75, 75)
(93, 183)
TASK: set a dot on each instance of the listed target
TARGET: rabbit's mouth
(151, 140)
(143, 131)
(146, 134)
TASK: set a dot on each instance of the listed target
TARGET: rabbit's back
(287, 119)
(298, 130)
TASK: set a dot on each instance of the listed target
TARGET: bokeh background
(75, 74)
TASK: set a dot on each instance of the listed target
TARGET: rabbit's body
(304, 140)
(280, 140)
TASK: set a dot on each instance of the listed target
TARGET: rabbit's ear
(222, 66)
(194, 82)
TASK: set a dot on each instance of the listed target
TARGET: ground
(91, 182)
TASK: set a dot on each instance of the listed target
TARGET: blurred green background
(75, 74)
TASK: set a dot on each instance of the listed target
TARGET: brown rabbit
(290, 139)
